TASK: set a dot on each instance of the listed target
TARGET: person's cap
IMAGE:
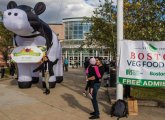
(92, 61)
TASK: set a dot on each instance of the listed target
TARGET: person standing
(2, 71)
(72, 62)
(46, 67)
(66, 64)
(77, 63)
(96, 86)
(127, 91)
(12, 69)
(92, 70)
(86, 63)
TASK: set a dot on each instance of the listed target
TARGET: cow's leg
(52, 81)
(59, 67)
(35, 75)
(24, 75)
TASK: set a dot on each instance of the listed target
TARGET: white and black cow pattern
(30, 30)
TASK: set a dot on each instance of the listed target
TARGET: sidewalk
(65, 102)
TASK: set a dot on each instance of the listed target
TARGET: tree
(103, 28)
(5, 41)
(143, 20)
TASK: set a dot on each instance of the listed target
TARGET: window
(75, 29)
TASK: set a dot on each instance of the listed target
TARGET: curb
(7, 77)
(149, 103)
(2, 79)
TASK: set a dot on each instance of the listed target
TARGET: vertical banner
(142, 63)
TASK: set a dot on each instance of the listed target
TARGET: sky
(56, 10)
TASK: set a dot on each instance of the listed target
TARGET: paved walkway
(64, 103)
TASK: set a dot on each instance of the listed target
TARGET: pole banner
(142, 63)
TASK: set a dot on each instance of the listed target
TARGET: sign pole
(119, 39)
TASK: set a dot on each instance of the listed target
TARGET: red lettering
(164, 56)
(141, 56)
(132, 55)
(157, 56)
(149, 57)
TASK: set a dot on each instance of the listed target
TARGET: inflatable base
(59, 79)
(24, 85)
(51, 84)
(35, 80)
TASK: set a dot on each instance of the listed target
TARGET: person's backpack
(119, 109)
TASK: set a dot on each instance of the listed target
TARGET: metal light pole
(119, 39)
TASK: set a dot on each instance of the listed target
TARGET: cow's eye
(15, 14)
(9, 13)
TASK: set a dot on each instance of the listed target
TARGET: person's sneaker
(90, 96)
(106, 85)
(47, 91)
(92, 113)
(94, 117)
(84, 94)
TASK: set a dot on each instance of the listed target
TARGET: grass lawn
(148, 93)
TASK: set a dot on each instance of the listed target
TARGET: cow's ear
(39, 8)
(11, 5)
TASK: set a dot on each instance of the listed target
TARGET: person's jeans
(47, 76)
(66, 67)
(94, 100)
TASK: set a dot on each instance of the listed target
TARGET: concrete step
(151, 103)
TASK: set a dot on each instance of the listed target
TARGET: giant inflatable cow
(30, 30)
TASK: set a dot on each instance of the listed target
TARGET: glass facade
(74, 30)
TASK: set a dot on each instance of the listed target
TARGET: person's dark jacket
(91, 71)
(12, 69)
(86, 64)
(2, 72)
(43, 67)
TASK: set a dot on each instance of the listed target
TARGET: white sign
(142, 63)
(28, 54)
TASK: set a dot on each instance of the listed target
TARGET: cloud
(96, 3)
(56, 10)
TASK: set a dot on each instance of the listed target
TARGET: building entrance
(74, 61)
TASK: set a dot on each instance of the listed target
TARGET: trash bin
(112, 77)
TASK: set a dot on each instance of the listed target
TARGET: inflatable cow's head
(23, 20)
